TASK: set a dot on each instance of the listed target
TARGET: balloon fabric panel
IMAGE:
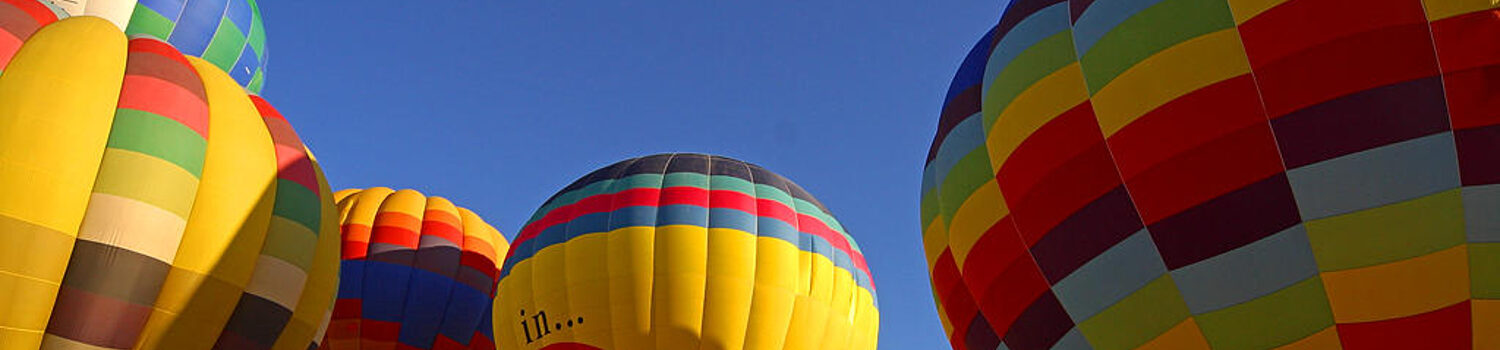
(1220, 174)
(603, 264)
(51, 149)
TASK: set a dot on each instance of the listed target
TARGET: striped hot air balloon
(147, 202)
(228, 33)
(1227, 174)
(417, 273)
(685, 251)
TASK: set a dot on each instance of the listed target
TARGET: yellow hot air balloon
(685, 251)
(147, 202)
(417, 271)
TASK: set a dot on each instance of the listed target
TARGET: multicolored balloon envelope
(1227, 174)
(685, 251)
(147, 202)
(417, 273)
(228, 33)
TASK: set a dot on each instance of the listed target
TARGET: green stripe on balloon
(225, 48)
(160, 137)
(147, 21)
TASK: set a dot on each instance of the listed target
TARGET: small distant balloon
(418, 272)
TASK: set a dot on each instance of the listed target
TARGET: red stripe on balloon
(1019, 284)
(1468, 41)
(1296, 26)
(1473, 97)
(1205, 172)
(1054, 144)
(397, 229)
(372, 332)
(651, 197)
(9, 44)
(291, 156)
(440, 229)
(41, 13)
(148, 94)
(1068, 188)
(356, 241)
(686, 195)
(1345, 66)
(1446, 328)
(347, 308)
(158, 47)
(1179, 126)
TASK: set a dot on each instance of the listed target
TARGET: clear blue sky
(498, 104)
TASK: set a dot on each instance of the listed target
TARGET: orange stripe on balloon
(356, 241)
(396, 228)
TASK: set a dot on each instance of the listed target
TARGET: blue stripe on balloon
(351, 278)
(426, 301)
(244, 68)
(842, 260)
(197, 26)
(586, 224)
(167, 8)
(775, 228)
(552, 235)
(971, 71)
(240, 13)
(384, 292)
(487, 323)
(682, 214)
(632, 216)
(731, 219)
(466, 307)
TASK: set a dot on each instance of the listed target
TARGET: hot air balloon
(147, 202)
(228, 33)
(685, 251)
(417, 273)
(1193, 174)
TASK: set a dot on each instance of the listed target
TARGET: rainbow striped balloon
(685, 251)
(417, 273)
(228, 33)
(1228, 174)
(147, 202)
